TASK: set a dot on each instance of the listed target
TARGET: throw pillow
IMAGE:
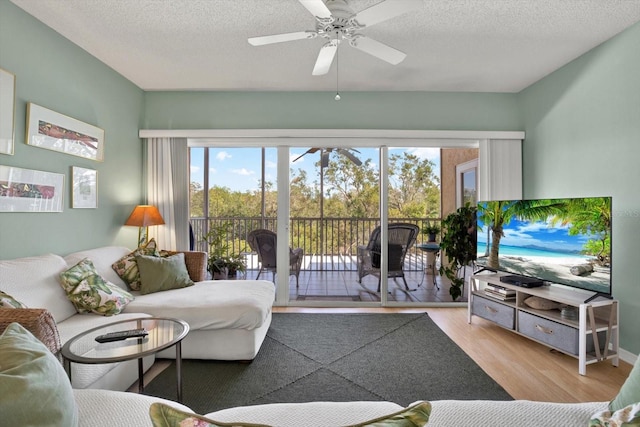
(626, 417)
(161, 274)
(127, 267)
(630, 391)
(34, 389)
(163, 415)
(89, 292)
(7, 301)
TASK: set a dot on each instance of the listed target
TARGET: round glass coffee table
(161, 333)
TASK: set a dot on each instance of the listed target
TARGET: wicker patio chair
(402, 237)
(263, 242)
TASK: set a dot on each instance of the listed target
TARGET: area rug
(336, 357)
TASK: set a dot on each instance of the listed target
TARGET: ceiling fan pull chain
(337, 97)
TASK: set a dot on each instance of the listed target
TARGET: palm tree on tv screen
(495, 215)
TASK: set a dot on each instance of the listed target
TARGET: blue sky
(239, 168)
(539, 234)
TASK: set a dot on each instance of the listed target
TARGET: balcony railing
(330, 244)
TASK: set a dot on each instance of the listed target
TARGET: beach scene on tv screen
(549, 240)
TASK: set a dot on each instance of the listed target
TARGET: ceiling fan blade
(309, 151)
(317, 8)
(325, 58)
(386, 10)
(279, 38)
(324, 160)
(350, 156)
(379, 50)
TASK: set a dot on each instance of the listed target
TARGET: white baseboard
(627, 356)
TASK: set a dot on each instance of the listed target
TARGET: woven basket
(38, 321)
(196, 264)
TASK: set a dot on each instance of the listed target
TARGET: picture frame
(7, 111)
(28, 190)
(54, 131)
(84, 188)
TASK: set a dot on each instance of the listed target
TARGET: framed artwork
(27, 190)
(7, 111)
(57, 132)
(84, 191)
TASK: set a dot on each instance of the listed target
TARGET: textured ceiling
(451, 45)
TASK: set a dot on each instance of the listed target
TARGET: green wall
(318, 110)
(582, 127)
(56, 74)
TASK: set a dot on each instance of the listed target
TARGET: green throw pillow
(90, 293)
(625, 417)
(161, 274)
(630, 391)
(34, 389)
(163, 415)
(127, 267)
(7, 301)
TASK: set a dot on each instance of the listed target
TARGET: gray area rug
(336, 357)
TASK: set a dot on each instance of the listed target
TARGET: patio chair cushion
(395, 257)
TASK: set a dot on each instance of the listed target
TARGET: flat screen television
(565, 241)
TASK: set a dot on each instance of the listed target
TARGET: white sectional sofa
(445, 413)
(228, 319)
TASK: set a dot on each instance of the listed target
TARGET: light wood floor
(525, 369)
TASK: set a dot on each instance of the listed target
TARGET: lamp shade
(145, 216)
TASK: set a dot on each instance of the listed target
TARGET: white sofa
(228, 319)
(134, 412)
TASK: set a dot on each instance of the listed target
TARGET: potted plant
(219, 262)
(235, 263)
(459, 246)
(431, 231)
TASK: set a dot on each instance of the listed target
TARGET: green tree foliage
(350, 191)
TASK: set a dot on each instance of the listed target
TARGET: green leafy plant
(431, 230)
(459, 246)
(220, 263)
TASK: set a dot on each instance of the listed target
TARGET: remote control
(121, 335)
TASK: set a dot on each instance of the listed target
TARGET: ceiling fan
(324, 158)
(336, 22)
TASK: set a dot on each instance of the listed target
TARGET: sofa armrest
(38, 321)
(196, 264)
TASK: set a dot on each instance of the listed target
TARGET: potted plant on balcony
(459, 246)
(220, 263)
(431, 231)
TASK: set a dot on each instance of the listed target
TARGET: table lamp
(144, 216)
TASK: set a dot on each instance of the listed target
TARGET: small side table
(162, 333)
(432, 249)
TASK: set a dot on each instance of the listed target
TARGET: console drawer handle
(490, 309)
(544, 330)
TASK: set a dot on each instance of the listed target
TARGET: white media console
(586, 330)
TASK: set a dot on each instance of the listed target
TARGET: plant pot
(223, 274)
(431, 238)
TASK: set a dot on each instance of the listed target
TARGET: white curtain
(500, 169)
(168, 189)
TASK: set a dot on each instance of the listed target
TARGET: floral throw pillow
(7, 301)
(628, 416)
(416, 415)
(127, 267)
(90, 293)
